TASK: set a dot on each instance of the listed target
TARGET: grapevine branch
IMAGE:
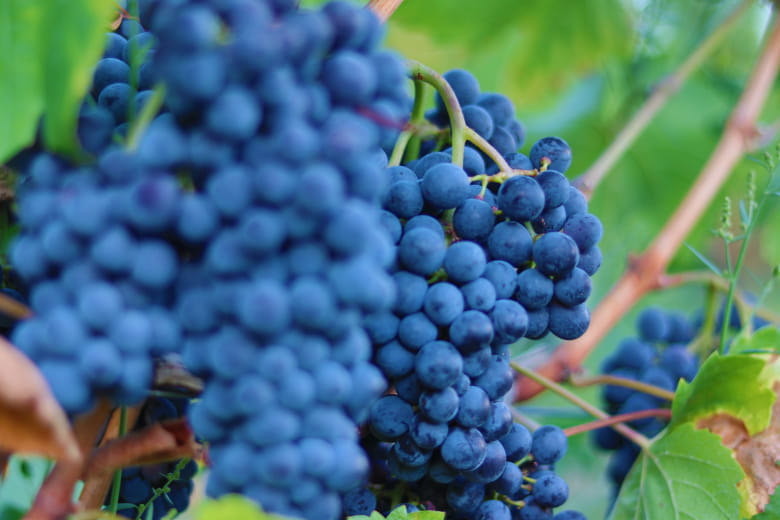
(646, 271)
(664, 413)
(624, 430)
(661, 94)
(608, 379)
(384, 9)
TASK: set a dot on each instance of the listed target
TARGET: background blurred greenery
(579, 70)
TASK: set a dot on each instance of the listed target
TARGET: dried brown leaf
(31, 420)
(758, 455)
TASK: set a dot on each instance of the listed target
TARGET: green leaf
(72, 35)
(529, 42)
(49, 52)
(233, 506)
(706, 261)
(732, 384)
(427, 515)
(765, 339)
(375, 515)
(21, 98)
(686, 474)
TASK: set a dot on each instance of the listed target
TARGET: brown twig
(645, 272)
(54, 499)
(663, 413)
(661, 94)
(96, 486)
(384, 9)
(13, 308)
(539, 379)
(160, 442)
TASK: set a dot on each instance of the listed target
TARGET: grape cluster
(121, 87)
(95, 253)
(470, 280)
(659, 357)
(163, 486)
(274, 112)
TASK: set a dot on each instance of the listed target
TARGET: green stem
(139, 125)
(482, 143)
(457, 122)
(417, 117)
(171, 477)
(608, 379)
(118, 473)
(624, 430)
(752, 215)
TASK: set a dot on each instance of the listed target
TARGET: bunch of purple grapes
(479, 266)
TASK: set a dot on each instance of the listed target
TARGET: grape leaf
(688, 474)
(734, 385)
(400, 513)
(765, 339)
(528, 42)
(21, 92)
(72, 35)
(772, 511)
(232, 506)
(49, 52)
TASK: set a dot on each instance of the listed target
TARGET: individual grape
(555, 187)
(585, 229)
(511, 242)
(464, 84)
(464, 449)
(555, 254)
(548, 444)
(554, 150)
(568, 322)
(464, 262)
(479, 295)
(573, 289)
(550, 490)
(445, 185)
(503, 277)
(421, 251)
(478, 119)
(534, 289)
(521, 198)
(438, 364)
(443, 303)
(473, 219)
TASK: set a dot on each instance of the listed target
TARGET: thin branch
(384, 9)
(662, 93)
(608, 379)
(521, 418)
(663, 413)
(624, 430)
(54, 498)
(14, 308)
(645, 273)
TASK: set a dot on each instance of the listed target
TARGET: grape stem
(609, 379)
(482, 143)
(171, 477)
(663, 413)
(458, 127)
(384, 9)
(115, 488)
(646, 271)
(631, 434)
(417, 117)
(588, 182)
(13, 308)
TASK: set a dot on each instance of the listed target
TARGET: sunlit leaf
(732, 385)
